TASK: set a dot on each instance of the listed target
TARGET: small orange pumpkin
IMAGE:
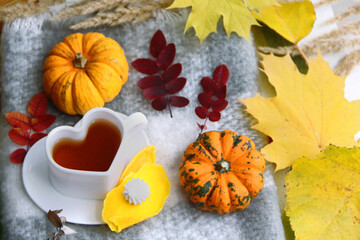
(84, 72)
(222, 171)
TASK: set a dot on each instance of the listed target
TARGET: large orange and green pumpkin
(221, 172)
(84, 72)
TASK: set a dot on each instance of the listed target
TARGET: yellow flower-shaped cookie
(118, 213)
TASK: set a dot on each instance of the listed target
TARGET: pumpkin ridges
(74, 41)
(242, 145)
(252, 159)
(238, 193)
(188, 174)
(211, 142)
(54, 61)
(61, 93)
(220, 197)
(199, 191)
(226, 137)
(105, 79)
(251, 178)
(62, 49)
(246, 145)
(116, 60)
(52, 75)
(198, 150)
(85, 94)
(102, 45)
(89, 40)
(211, 200)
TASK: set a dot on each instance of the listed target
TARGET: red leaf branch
(212, 99)
(24, 125)
(163, 79)
(18, 120)
(19, 136)
(38, 105)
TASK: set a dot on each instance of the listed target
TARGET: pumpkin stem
(222, 166)
(80, 61)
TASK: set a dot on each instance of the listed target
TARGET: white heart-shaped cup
(92, 184)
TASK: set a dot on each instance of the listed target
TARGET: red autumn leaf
(149, 81)
(159, 103)
(158, 42)
(145, 65)
(221, 92)
(38, 104)
(219, 105)
(201, 112)
(18, 155)
(175, 85)
(221, 75)
(208, 86)
(214, 116)
(40, 123)
(166, 81)
(18, 120)
(19, 136)
(172, 72)
(166, 56)
(177, 101)
(154, 92)
(205, 100)
(36, 137)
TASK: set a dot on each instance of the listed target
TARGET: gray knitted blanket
(25, 45)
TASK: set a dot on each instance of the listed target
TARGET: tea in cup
(87, 161)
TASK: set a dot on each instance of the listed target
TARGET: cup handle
(136, 120)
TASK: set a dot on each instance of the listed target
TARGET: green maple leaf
(236, 15)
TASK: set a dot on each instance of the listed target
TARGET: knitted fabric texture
(25, 45)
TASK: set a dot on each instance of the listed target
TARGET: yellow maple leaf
(293, 21)
(206, 13)
(323, 195)
(308, 113)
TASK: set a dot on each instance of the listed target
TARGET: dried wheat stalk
(281, 51)
(353, 10)
(324, 2)
(136, 11)
(347, 63)
(331, 45)
(107, 12)
(347, 36)
(26, 9)
(87, 7)
(351, 28)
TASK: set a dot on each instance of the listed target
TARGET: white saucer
(42, 192)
